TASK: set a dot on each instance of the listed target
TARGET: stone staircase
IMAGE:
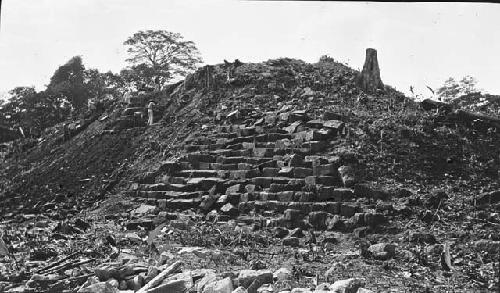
(134, 115)
(277, 167)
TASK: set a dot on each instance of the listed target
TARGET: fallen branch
(68, 266)
(57, 262)
(158, 279)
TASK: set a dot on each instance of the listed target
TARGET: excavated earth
(286, 177)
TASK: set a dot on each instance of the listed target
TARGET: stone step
(242, 159)
(225, 167)
(315, 146)
(241, 139)
(239, 130)
(221, 135)
(266, 182)
(173, 180)
(282, 196)
(166, 187)
(197, 173)
(232, 153)
(169, 167)
(239, 174)
(257, 138)
(335, 208)
(202, 147)
(272, 137)
(181, 204)
(195, 158)
(324, 180)
(169, 194)
(200, 140)
(206, 183)
(292, 185)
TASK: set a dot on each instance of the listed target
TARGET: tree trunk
(369, 79)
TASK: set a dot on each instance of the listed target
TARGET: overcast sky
(418, 43)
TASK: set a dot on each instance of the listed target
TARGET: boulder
(258, 282)
(347, 286)
(334, 125)
(229, 210)
(318, 220)
(247, 277)
(280, 232)
(300, 290)
(374, 219)
(423, 237)
(324, 170)
(293, 215)
(347, 175)
(180, 285)
(208, 278)
(368, 191)
(331, 116)
(300, 172)
(292, 127)
(322, 287)
(296, 160)
(361, 232)
(237, 188)
(222, 286)
(102, 287)
(335, 223)
(143, 209)
(382, 251)
(282, 274)
(363, 290)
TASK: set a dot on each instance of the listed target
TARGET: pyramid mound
(258, 165)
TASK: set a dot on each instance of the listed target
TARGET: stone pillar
(369, 79)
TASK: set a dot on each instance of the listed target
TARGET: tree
(69, 80)
(34, 111)
(326, 59)
(98, 84)
(161, 56)
(452, 89)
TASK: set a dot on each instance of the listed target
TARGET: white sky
(418, 43)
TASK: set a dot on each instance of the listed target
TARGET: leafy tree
(69, 81)
(159, 56)
(142, 73)
(98, 84)
(70, 87)
(326, 59)
(34, 111)
(453, 89)
(468, 85)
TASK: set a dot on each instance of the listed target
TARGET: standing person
(126, 98)
(157, 83)
(150, 112)
(91, 105)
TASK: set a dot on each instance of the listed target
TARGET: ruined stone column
(369, 79)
